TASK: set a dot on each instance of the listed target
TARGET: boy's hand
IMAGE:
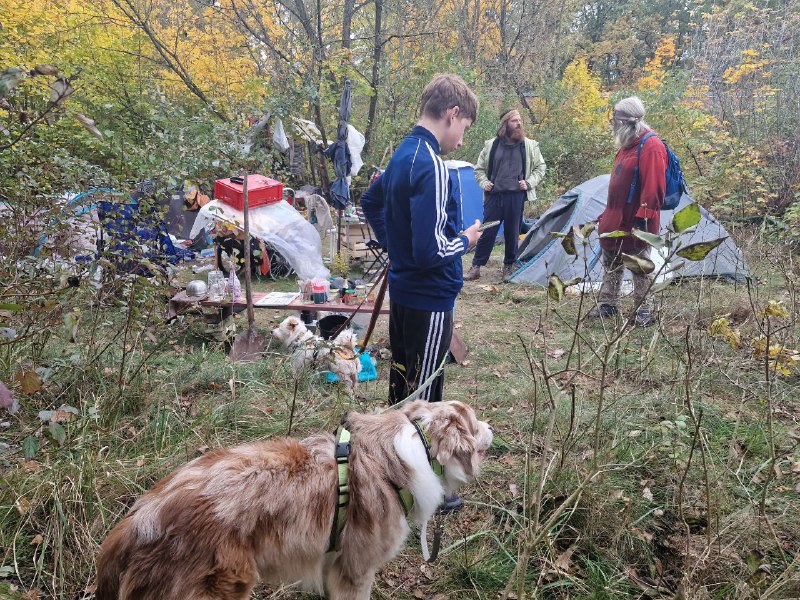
(473, 234)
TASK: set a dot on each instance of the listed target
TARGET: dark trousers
(419, 341)
(505, 207)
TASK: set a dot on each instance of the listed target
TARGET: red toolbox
(260, 191)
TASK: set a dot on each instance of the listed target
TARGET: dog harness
(342, 454)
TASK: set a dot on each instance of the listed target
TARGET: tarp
(541, 254)
(278, 224)
(106, 220)
(339, 153)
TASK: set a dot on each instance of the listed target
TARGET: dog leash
(378, 303)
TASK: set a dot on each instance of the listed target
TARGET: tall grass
(627, 463)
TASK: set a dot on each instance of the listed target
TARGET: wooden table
(299, 305)
(180, 302)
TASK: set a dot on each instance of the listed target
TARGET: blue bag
(676, 184)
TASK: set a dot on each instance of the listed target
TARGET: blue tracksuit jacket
(415, 217)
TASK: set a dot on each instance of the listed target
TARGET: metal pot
(196, 287)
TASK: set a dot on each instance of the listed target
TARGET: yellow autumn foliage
(750, 65)
(721, 328)
(586, 104)
(656, 68)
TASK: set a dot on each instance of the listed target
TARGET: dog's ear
(452, 433)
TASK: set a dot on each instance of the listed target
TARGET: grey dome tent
(541, 255)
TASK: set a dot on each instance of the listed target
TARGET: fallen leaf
(556, 353)
(23, 505)
(564, 561)
(29, 381)
(31, 466)
(37, 539)
(512, 487)
(62, 416)
(427, 571)
(642, 535)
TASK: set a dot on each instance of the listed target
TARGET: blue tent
(466, 190)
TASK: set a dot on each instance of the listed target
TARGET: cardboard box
(260, 191)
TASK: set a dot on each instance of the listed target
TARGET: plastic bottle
(234, 284)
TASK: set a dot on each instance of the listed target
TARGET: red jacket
(644, 210)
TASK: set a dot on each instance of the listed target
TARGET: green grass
(180, 395)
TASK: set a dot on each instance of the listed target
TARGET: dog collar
(405, 495)
(342, 455)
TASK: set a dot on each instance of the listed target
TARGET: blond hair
(446, 91)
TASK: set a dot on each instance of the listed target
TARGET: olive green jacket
(534, 165)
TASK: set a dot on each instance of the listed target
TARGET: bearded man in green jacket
(509, 168)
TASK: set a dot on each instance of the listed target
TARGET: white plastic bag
(279, 137)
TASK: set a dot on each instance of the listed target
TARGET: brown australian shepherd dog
(264, 511)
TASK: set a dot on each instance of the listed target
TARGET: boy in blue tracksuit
(415, 218)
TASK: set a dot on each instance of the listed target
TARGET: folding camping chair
(377, 257)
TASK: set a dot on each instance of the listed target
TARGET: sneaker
(602, 311)
(644, 318)
(507, 272)
(473, 274)
(451, 504)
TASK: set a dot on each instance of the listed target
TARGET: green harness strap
(342, 455)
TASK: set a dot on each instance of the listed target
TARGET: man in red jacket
(624, 211)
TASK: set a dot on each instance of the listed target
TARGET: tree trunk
(377, 54)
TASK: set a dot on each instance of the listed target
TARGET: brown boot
(507, 271)
(473, 274)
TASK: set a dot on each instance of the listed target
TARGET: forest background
(172, 86)
(626, 463)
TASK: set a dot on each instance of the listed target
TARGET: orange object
(260, 191)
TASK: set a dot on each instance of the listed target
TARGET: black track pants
(419, 341)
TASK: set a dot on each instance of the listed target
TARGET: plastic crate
(260, 191)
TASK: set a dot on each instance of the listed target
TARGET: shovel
(249, 344)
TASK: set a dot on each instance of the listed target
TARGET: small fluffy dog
(264, 511)
(309, 350)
